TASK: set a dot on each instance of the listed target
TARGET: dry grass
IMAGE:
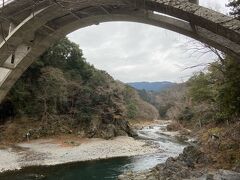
(225, 150)
(15, 131)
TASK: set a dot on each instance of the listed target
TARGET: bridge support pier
(11, 28)
(1, 39)
(13, 60)
(4, 72)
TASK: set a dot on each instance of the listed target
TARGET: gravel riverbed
(53, 152)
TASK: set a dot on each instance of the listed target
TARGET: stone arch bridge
(29, 27)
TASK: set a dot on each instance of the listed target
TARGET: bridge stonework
(28, 28)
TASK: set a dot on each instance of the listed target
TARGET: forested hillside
(61, 93)
(208, 104)
(168, 102)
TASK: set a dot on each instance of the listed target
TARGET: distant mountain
(151, 86)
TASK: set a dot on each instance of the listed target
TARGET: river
(109, 168)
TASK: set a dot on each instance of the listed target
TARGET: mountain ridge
(151, 86)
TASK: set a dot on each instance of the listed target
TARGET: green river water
(105, 169)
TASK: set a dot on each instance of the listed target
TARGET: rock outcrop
(191, 164)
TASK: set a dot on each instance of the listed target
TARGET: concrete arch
(54, 19)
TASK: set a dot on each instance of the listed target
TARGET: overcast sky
(138, 52)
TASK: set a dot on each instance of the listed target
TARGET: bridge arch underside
(27, 35)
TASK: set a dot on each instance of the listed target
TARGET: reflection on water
(103, 169)
(106, 169)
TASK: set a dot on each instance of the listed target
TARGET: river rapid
(154, 135)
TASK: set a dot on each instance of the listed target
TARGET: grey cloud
(139, 52)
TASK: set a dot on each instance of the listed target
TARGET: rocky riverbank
(191, 164)
(198, 161)
(65, 150)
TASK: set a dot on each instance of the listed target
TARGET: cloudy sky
(137, 52)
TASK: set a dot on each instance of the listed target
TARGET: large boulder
(110, 127)
(107, 131)
(193, 155)
(182, 167)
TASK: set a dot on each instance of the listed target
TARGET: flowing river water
(109, 168)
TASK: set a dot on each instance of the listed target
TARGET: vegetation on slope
(168, 102)
(209, 104)
(62, 93)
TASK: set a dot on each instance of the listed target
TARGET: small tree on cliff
(235, 8)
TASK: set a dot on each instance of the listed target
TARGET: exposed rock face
(185, 166)
(116, 128)
(178, 168)
(192, 155)
(109, 126)
(191, 164)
